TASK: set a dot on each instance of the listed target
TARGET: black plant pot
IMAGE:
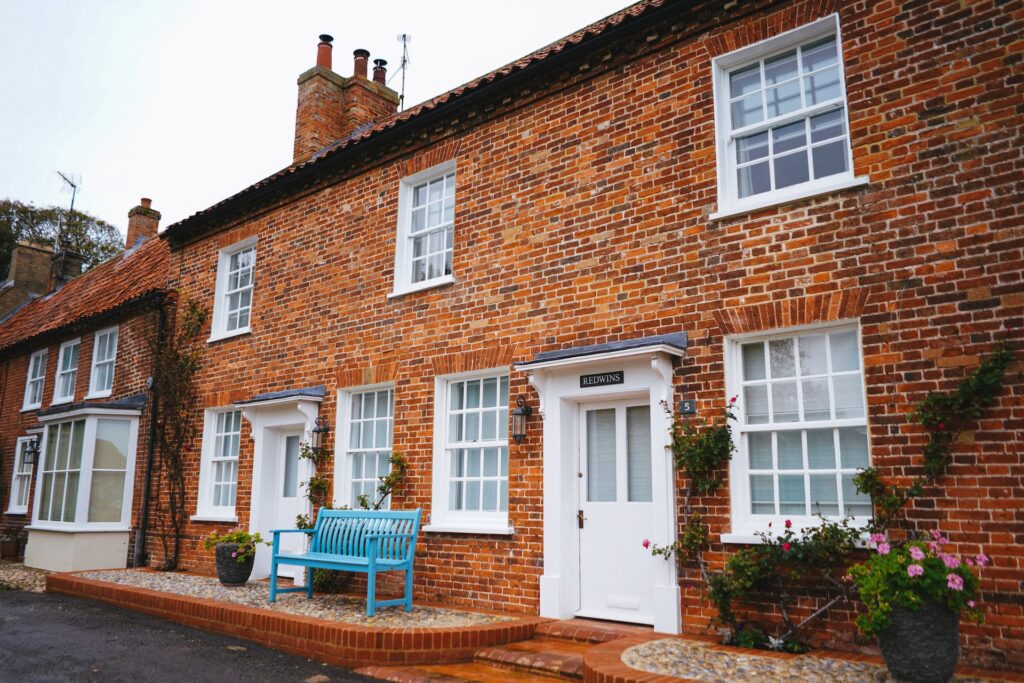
(230, 571)
(922, 646)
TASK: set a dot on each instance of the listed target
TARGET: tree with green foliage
(95, 239)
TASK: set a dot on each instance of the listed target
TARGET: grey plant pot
(230, 571)
(922, 646)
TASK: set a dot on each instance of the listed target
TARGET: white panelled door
(615, 511)
(292, 500)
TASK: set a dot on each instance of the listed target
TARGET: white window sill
(102, 394)
(420, 286)
(15, 511)
(59, 401)
(218, 336)
(751, 539)
(229, 519)
(789, 195)
(466, 529)
(79, 529)
(26, 409)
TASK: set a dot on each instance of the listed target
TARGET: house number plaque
(602, 379)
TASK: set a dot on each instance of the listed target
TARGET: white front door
(615, 511)
(291, 498)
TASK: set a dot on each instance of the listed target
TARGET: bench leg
(309, 583)
(273, 580)
(408, 589)
(371, 594)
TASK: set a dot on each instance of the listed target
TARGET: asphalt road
(59, 638)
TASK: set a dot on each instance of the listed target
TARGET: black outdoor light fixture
(319, 433)
(30, 453)
(519, 415)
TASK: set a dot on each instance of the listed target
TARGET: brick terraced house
(813, 205)
(75, 364)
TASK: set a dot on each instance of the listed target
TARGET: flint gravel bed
(16, 576)
(349, 609)
(696, 661)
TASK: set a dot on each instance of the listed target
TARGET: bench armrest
(292, 531)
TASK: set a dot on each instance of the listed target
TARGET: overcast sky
(190, 101)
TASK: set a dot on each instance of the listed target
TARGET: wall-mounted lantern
(519, 415)
(319, 433)
(30, 452)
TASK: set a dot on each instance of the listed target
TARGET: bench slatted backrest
(346, 532)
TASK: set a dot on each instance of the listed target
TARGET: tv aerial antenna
(404, 39)
(72, 181)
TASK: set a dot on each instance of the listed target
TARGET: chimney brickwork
(332, 107)
(143, 223)
(29, 275)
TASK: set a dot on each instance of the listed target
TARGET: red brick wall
(133, 365)
(582, 217)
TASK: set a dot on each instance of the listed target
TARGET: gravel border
(700, 662)
(349, 609)
(16, 576)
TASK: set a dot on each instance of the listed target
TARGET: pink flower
(646, 544)
(915, 570)
(786, 547)
(789, 523)
(234, 554)
(972, 604)
(916, 553)
(969, 561)
(942, 425)
(883, 548)
(733, 399)
(950, 561)
(847, 578)
(878, 538)
(934, 546)
(955, 581)
(982, 560)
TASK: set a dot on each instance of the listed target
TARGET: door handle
(579, 518)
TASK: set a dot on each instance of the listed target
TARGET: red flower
(942, 425)
(786, 547)
(733, 399)
(789, 523)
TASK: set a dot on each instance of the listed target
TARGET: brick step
(546, 656)
(475, 672)
(589, 631)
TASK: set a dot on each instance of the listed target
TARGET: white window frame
(343, 427)
(403, 283)
(81, 522)
(441, 518)
(39, 377)
(57, 398)
(729, 203)
(96, 363)
(218, 328)
(21, 481)
(745, 524)
(206, 511)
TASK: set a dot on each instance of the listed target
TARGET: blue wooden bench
(366, 541)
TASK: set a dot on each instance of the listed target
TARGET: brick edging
(337, 643)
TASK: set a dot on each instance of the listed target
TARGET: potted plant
(236, 552)
(8, 547)
(915, 594)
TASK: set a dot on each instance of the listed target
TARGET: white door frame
(646, 370)
(270, 422)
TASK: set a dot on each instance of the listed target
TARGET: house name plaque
(602, 379)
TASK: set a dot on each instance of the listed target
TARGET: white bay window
(802, 427)
(85, 476)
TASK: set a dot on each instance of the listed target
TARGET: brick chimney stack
(143, 222)
(380, 71)
(332, 107)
